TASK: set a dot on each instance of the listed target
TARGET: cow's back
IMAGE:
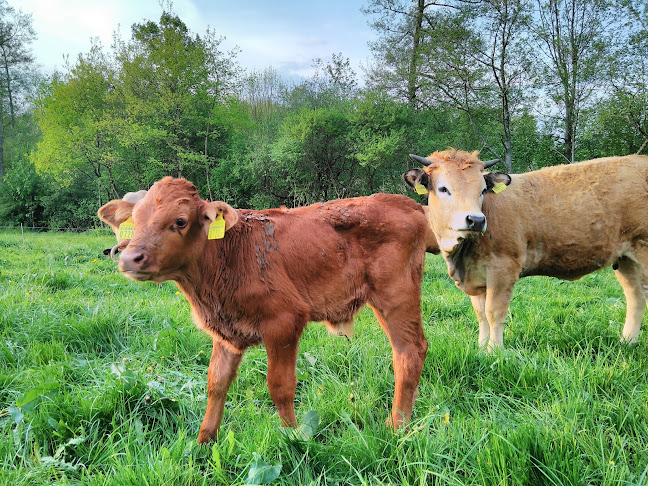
(569, 220)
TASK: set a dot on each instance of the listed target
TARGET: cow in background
(273, 271)
(563, 221)
(132, 197)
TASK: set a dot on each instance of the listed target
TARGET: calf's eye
(444, 190)
(181, 222)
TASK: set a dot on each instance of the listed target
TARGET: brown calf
(274, 271)
(563, 221)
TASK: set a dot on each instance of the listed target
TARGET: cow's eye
(444, 190)
(181, 222)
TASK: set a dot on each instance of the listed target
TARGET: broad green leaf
(261, 472)
(16, 414)
(309, 425)
(31, 398)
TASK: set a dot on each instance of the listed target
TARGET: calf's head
(171, 227)
(456, 184)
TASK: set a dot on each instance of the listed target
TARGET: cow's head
(132, 197)
(171, 227)
(456, 184)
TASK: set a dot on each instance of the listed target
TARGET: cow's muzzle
(475, 222)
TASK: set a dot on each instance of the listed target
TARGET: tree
(333, 83)
(312, 159)
(577, 39)
(399, 48)
(16, 35)
(629, 74)
(452, 76)
(380, 134)
(172, 81)
(468, 55)
(73, 112)
(503, 28)
(153, 108)
(262, 91)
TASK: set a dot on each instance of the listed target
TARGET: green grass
(102, 382)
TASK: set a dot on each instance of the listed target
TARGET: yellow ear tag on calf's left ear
(420, 189)
(217, 228)
(499, 187)
(126, 230)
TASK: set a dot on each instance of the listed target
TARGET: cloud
(286, 35)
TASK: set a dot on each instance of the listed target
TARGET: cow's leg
(222, 371)
(282, 377)
(629, 275)
(498, 298)
(479, 304)
(403, 327)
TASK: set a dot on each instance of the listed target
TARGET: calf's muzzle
(133, 261)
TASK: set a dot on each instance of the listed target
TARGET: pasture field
(102, 382)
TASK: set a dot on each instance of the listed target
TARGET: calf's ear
(494, 178)
(115, 213)
(417, 177)
(210, 211)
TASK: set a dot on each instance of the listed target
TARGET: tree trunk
(8, 84)
(211, 196)
(413, 65)
(569, 131)
(2, 165)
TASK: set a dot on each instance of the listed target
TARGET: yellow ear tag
(126, 230)
(499, 187)
(420, 189)
(217, 228)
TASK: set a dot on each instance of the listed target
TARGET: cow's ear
(495, 180)
(115, 213)
(415, 178)
(210, 212)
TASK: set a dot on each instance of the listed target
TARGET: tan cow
(563, 221)
(132, 197)
(273, 271)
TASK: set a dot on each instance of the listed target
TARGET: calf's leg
(281, 347)
(222, 371)
(402, 325)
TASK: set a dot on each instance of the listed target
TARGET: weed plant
(102, 382)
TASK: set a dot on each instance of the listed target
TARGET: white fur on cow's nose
(469, 221)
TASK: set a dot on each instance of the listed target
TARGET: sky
(284, 34)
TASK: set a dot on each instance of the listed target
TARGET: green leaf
(309, 425)
(124, 374)
(16, 415)
(216, 461)
(310, 358)
(261, 472)
(75, 441)
(231, 442)
(27, 401)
